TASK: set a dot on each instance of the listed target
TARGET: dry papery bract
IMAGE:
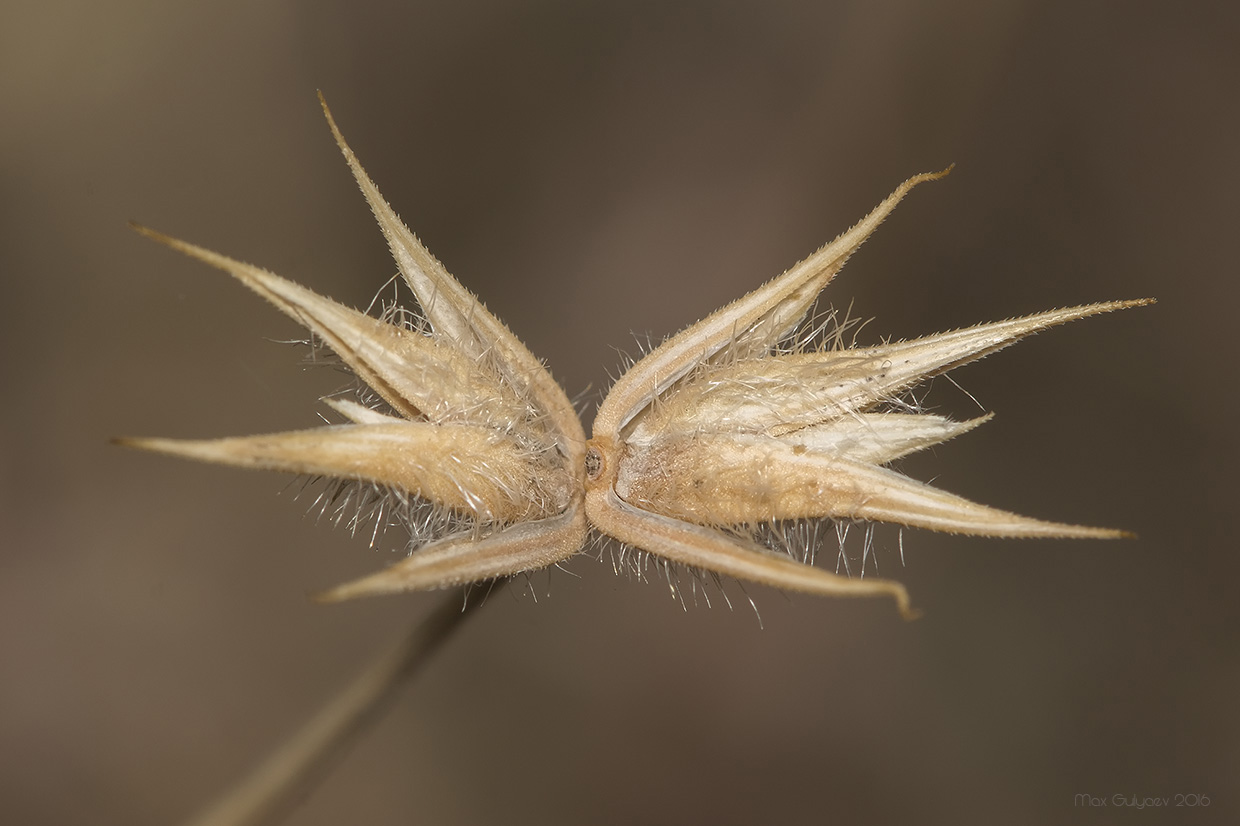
(716, 437)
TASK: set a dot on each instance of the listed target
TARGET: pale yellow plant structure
(718, 432)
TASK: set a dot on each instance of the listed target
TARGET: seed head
(719, 432)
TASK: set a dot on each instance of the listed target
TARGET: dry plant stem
(274, 788)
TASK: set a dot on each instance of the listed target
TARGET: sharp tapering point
(327, 112)
(335, 130)
(185, 247)
(366, 586)
(332, 596)
(138, 442)
(147, 232)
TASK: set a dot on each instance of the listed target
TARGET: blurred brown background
(594, 170)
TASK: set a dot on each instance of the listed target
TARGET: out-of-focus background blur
(595, 170)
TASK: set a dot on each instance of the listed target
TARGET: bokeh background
(595, 170)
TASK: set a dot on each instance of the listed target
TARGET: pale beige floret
(749, 326)
(420, 376)
(745, 479)
(457, 315)
(716, 429)
(711, 434)
(462, 560)
(781, 393)
(469, 470)
(483, 428)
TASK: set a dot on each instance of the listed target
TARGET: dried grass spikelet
(718, 431)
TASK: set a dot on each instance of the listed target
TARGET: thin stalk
(277, 785)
